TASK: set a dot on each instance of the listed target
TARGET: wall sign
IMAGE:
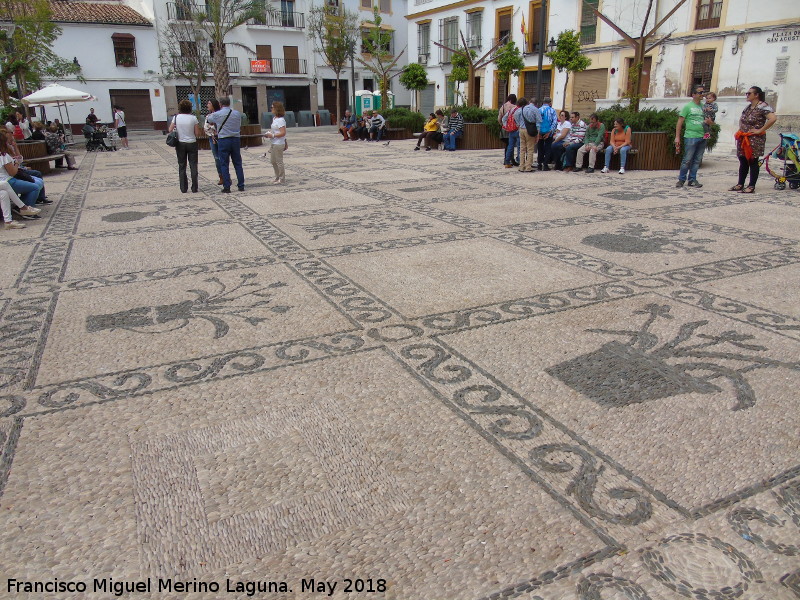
(789, 35)
(261, 66)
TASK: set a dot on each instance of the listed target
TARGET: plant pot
(478, 137)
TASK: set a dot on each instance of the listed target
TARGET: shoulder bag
(172, 136)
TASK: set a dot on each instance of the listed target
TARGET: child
(710, 109)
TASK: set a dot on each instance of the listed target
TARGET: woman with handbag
(187, 128)
(277, 135)
(210, 129)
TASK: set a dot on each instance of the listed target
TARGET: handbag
(172, 136)
(530, 126)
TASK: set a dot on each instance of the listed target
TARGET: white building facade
(727, 45)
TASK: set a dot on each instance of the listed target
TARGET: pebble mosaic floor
(413, 370)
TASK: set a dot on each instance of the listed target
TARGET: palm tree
(218, 20)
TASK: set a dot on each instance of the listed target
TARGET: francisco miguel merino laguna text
(120, 588)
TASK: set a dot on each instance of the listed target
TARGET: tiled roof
(112, 13)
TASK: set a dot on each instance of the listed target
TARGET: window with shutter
(124, 49)
(424, 41)
(366, 4)
(589, 22)
(702, 68)
(535, 27)
(386, 6)
(708, 14)
(474, 27)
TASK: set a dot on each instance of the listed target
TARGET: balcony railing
(183, 11)
(283, 66)
(183, 64)
(503, 40)
(474, 42)
(281, 19)
(708, 15)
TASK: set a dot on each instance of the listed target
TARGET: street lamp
(550, 47)
(351, 52)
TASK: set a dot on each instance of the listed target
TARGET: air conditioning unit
(422, 59)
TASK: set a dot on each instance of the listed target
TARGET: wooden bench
(42, 163)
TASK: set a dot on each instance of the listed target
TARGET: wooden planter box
(477, 137)
(250, 136)
(653, 151)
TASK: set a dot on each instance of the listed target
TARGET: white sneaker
(14, 225)
(28, 211)
(622, 171)
(604, 170)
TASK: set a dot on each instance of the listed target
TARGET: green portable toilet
(363, 102)
(376, 100)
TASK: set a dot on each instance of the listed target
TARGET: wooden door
(291, 58)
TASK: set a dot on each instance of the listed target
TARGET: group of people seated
(441, 129)
(22, 187)
(560, 139)
(371, 127)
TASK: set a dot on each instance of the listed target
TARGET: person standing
(511, 127)
(509, 105)
(211, 132)
(528, 135)
(24, 125)
(693, 138)
(92, 118)
(277, 135)
(546, 129)
(119, 125)
(751, 138)
(229, 124)
(188, 128)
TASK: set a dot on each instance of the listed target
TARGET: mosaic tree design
(645, 367)
(213, 307)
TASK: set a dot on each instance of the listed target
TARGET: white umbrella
(57, 94)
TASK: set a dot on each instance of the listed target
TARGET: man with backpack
(511, 121)
(546, 131)
(528, 135)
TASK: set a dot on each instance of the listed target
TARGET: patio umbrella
(59, 95)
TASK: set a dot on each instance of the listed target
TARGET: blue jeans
(623, 155)
(692, 155)
(27, 191)
(570, 152)
(215, 154)
(230, 150)
(513, 142)
(450, 139)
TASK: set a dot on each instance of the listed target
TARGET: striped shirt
(456, 123)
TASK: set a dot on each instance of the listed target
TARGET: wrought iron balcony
(182, 11)
(182, 64)
(283, 18)
(282, 66)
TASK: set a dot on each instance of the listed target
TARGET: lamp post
(542, 39)
(351, 51)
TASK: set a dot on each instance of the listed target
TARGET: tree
(568, 56)
(184, 54)
(333, 30)
(639, 44)
(378, 44)
(508, 61)
(217, 21)
(464, 57)
(25, 50)
(460, 71)
(415, 78)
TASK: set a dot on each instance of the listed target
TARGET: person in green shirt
(694, 143)
(593, 143)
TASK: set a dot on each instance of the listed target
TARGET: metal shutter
(588, 86)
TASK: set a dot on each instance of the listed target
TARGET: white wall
(92, 46)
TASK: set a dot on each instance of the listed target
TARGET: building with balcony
(727, 45)
(116, 47)
(357, 77)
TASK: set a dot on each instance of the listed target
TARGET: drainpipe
(542, 42)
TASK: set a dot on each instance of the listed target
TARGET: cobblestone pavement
(417, 371)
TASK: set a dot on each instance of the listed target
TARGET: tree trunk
(4, 91)
(220, 68)
(566, 81)
(471, 95)
(338, 100)
(635, 75)
(384, 93)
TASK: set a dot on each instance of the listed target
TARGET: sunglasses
(749, 93)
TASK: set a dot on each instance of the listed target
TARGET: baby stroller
(95, 140)
(787, 151)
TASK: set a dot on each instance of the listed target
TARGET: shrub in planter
(407, 119)
(650, 120)
(476, 114)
